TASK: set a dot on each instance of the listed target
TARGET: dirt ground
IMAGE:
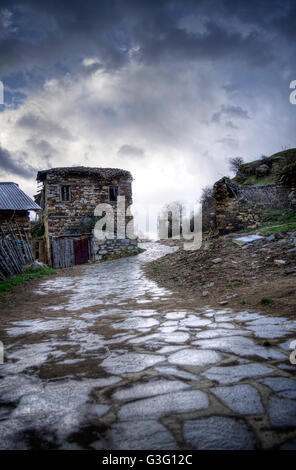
(241, 276)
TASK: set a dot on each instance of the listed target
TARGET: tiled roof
(13, 198)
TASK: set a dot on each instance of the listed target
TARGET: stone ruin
(238, 206)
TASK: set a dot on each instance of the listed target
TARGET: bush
(266, 301)
(288, 174)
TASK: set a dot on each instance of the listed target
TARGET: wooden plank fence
(62, 251)
(66, 252)
(15, 250)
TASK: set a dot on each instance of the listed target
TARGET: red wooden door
(81, 251)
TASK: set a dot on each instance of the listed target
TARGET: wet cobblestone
(144, 369)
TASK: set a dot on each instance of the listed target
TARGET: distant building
(68, 198)
(15, 205)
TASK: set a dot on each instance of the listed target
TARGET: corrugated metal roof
(13, 198)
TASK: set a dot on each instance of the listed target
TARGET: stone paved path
(123, 364)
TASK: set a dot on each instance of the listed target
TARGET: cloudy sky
(166, 89)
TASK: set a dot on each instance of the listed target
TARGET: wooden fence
(15, 250)
(67, 252)
(62, 252)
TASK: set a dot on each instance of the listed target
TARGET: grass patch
(28, 275)
(242, 302)
(278, 228)
(158, 267)
(254, 181)
(140, 250)
(276, 221)
(266, 301)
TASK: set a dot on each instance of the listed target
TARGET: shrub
(266, 301)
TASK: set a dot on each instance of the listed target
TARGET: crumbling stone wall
(275, 196)
(238, 206)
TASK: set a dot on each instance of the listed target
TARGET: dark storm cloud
(130, 151)
(43, 126)
(42, 146)
(44, 34)
(228, 141)
(230, 88)
(17, 167)
(215, 43)
(230, 112)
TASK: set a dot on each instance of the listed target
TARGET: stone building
(15, 205)
(69, 197)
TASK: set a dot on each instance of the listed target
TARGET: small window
(113, 193)
(65, 193)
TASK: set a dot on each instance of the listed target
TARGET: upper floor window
(113, 193)
(65, 193)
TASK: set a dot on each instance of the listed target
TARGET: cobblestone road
(123, 364)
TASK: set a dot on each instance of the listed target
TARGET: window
(113, 193)
(65, 193)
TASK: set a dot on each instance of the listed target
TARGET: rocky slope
(259, 275)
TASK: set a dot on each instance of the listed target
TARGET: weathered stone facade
(69, 198)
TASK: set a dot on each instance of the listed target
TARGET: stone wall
(274, 196)
(238, 207)
(104, 248)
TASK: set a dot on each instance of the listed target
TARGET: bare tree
(208, 208)
(235, 163)
(206, 195)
